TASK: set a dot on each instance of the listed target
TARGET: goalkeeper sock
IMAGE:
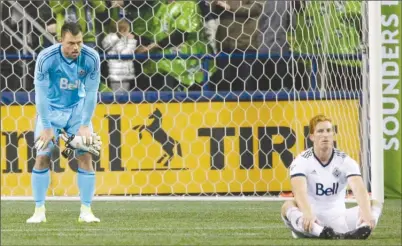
(40, 183)
(86, 185)
(295, 216)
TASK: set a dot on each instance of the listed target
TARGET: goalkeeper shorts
(68, 119)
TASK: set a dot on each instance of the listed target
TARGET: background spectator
(140, 15)
(121, 72)
(237, 33)
(275, 26)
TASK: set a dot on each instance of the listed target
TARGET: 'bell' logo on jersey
(321, 191)
(64, 84)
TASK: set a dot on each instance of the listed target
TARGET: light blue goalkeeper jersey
(61, 83)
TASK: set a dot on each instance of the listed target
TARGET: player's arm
(91, 89)
(42, 82)
(359, 190)
(299, 189)
(298, 182)
(360, 193)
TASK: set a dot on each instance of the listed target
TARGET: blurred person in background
(139, 14)
(237, 33)
(275, 27)
(121, 72)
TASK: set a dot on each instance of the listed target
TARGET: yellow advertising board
(181, 148)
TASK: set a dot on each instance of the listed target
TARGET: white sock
(295, 217)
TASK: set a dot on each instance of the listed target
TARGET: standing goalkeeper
(66, 81)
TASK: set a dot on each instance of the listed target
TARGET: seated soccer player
(319, 177)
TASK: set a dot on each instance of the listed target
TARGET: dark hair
(71, 27)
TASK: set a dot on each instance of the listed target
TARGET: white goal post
(376, 106)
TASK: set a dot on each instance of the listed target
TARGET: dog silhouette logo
(160, 135)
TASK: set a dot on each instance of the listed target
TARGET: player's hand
(368, 220)
(86, 135)
(45, 137)
(308, 222)
(76, 142)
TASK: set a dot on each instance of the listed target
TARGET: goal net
(197, 97)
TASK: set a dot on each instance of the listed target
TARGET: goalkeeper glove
(77, 142)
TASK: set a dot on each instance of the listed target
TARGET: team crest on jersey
(81, 72)
(336, 172)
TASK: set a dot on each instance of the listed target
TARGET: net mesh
(196, 97)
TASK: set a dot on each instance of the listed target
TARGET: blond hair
(317, 119)
(123, 26)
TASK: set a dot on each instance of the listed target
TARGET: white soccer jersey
(326, 185)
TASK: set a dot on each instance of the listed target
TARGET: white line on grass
(173, 229)
(159, 198)
(163, 234)
(152, 198)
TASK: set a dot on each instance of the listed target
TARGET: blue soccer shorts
(68, 119)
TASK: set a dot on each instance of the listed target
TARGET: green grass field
(172, 223)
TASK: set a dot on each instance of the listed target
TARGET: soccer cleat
(39, 216)
(86, 215)
(359, 233)
(329, 233)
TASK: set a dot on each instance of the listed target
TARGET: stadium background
(232, 140)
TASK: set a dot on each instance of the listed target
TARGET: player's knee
(286, 206)
(42, 162)
(85, 161)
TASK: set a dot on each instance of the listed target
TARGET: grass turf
(172, 223)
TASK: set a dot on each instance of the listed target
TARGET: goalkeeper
(66, 81)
